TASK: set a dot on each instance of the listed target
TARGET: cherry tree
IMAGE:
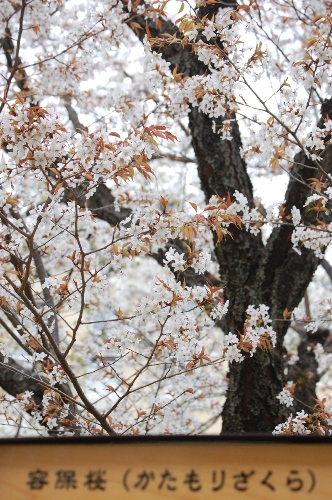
(145, 287)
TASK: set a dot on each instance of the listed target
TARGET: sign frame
(175, 467)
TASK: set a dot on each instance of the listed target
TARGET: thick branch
(275, 275)
(285, 274)
(327, 267)
(304, 373)
(72, 114)
(15, 383)
(101, 203)
(281, 281)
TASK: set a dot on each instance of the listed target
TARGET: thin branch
(17, 56)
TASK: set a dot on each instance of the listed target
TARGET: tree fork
(251, 273)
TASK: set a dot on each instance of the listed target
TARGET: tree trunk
(251, 273)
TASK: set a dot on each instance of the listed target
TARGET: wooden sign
(174, 468)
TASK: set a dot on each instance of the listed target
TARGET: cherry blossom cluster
(86, 260)
(120, 322)
(294, 425)
(318, 422)
(21, 409)
(257, 333)
(286, 396)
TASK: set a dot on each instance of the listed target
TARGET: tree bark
(251, 273)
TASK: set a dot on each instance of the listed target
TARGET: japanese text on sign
(168, 470)
(295, 480)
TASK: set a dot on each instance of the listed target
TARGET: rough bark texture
(15, 383)
(250, 272)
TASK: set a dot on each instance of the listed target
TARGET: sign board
(166, 468)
